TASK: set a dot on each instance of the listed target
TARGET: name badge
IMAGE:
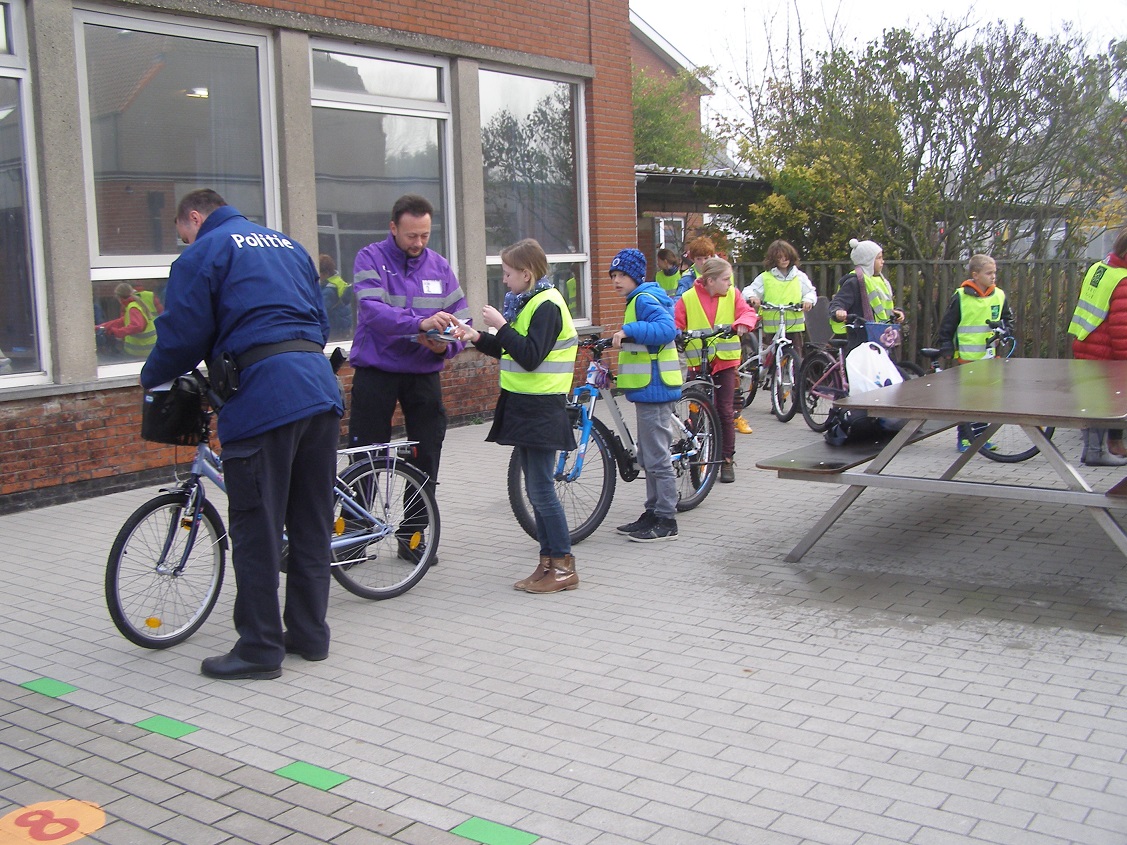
(432, 286)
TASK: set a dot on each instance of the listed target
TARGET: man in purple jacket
(403, 291)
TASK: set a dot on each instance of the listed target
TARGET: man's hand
(840, 314)
(438, 321)
(435, 346)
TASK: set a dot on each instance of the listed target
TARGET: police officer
(251, 295)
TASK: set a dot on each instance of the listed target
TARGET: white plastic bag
(868, 367)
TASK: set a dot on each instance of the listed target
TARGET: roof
(694, 190)
(665, 51)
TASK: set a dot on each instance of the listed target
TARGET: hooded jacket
(654, 328)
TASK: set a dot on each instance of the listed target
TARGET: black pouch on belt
(223, 374)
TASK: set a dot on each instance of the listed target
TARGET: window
(532, 155)
(167, 108)
(380, 130)
(21, 335)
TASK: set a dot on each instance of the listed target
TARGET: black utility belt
(223, 372)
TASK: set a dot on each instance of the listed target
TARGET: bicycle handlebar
(721, 330)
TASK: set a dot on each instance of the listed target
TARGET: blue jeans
(551, 524)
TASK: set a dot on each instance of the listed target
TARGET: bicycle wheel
(819, 380)
(749, 367)
(1012, 445)
(696, 448)
(404, 518)
(153, 600)
(586, 499)
(784, 397)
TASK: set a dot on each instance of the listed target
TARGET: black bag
(174, 416)
(849, 426)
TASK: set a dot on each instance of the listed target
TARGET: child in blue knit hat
(649, 371)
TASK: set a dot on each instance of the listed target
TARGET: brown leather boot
(541, 570)
(561, 576)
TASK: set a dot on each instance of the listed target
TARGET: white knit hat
(864, 253)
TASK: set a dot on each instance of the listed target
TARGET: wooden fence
(1042, 295)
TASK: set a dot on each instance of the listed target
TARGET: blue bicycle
(585, 477)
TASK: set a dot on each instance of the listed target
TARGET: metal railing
(1042, 295)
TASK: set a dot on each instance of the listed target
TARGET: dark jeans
(551, 523)
(282, 477)
(726, 407)
(374, 395)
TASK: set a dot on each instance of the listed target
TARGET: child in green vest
(649, 372)
(536, 344)
(963, 331)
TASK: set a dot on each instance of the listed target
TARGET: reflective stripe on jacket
(726, 349)
(973, 332)
(635, 361)
(1099, 284)
(879, 293)
(778, 291)
(555, 373)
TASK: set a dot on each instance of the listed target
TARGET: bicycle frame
(207, 464)
(585, 396)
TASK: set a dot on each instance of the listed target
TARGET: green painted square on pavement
(166, 727)
(49, 686)
(491, 833)
(312, 775)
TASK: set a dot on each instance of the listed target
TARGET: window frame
(16, 66)
(441, 111)
(156, 265)
(583, 255)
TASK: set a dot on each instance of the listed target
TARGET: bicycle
(774, 365)
(822, 378)
(585, 476)
(166, 565)
(1006, 444)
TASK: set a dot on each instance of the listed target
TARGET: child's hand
(465, 331)
(492, 317)
(617, 338)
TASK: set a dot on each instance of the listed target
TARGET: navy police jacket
(237, 286)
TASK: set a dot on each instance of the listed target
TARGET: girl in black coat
(531, 411)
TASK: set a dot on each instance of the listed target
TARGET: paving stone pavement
(933, 671)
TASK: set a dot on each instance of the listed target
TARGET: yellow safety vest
(879, 293)
(778, 291)
(139, 345)
(556, 371)
(726, 349)
(972, 333)
(635, 361)
(668, 280)
(1095, 299)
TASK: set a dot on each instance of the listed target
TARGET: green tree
(940, 144)
(663, 131)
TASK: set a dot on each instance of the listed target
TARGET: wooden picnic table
(1030, 393)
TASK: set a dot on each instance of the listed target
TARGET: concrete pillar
(62, 192)
(469, 183)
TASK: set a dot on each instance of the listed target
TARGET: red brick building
(310, 117)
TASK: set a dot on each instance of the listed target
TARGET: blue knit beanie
(632, 263)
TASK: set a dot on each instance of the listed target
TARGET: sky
(728, 35)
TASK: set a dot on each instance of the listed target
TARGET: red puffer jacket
(1109, 340)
